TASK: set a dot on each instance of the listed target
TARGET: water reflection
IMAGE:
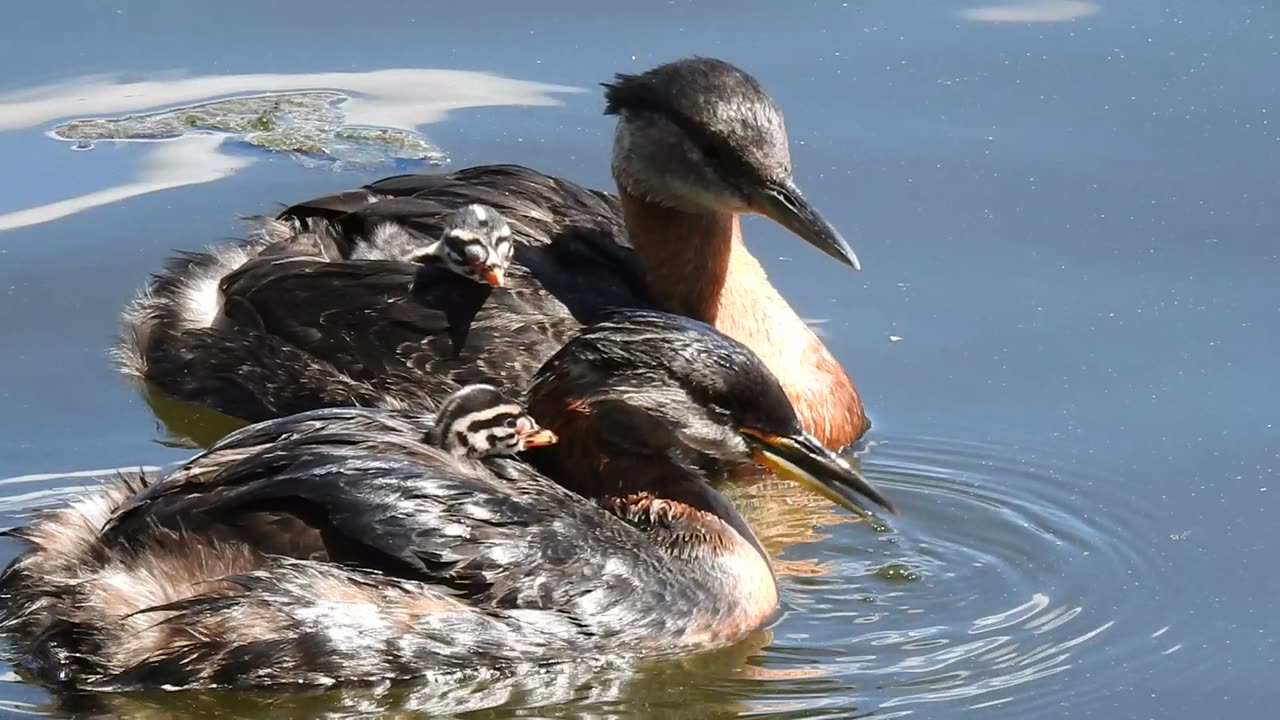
(401, 99)
(1035, 11)
(581, 691)
(188, 160)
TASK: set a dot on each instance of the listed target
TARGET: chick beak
(802, 458)
(538, 437)
(490, 274)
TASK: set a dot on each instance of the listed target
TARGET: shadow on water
(1003, 570)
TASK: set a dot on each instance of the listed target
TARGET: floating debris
(897, 572)
(308, 124)
(895, 338)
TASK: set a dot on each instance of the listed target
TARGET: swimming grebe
(338, 546)
(697, 143)
(475, 242)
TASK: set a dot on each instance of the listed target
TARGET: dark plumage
(340, 545)
(297, 332)
(315, 312)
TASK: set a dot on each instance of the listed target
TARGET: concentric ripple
(1002, 570)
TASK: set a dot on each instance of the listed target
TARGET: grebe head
(701, 135)
(676, 392)
(475, 243)
(479, 421)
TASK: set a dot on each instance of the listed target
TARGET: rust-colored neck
(697, 265)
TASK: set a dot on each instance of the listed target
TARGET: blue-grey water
(1066, 330)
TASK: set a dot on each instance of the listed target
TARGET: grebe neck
(696, 264)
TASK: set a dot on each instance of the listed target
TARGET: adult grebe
(338, 546)
(697, 142)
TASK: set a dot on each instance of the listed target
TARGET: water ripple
(1004, 568)
(22, 494)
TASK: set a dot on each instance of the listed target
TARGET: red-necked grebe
(697, 143)
(344, 545)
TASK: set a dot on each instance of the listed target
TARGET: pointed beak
(492, 275)
(803, 459)
(783, 203)
(538, 437)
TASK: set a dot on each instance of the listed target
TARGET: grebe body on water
(353, 545)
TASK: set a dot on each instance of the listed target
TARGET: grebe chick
(479, 421)
(474, 242)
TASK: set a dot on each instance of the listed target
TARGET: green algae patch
(309, 124)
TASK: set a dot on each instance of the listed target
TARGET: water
(1067, 225)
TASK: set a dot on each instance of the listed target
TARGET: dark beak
(802, 458)
(783, 203)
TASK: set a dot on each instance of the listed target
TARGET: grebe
(475, 242)
(337, 546)
(697, 143)
(479, 421)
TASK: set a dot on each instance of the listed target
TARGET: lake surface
(1066, 329)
